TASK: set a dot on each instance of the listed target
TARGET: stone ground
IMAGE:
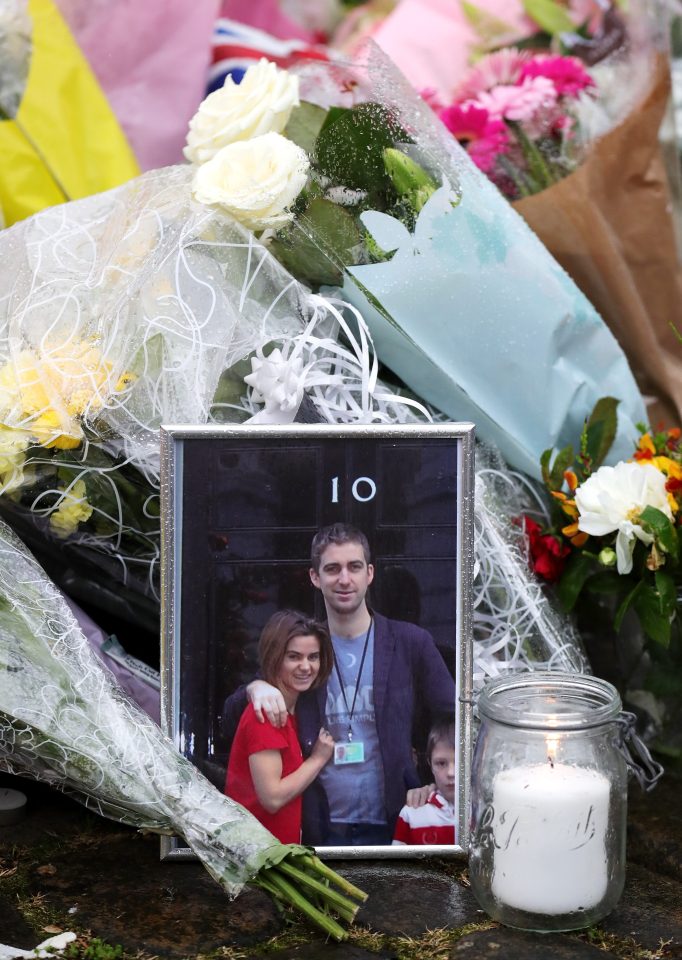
(63, 868)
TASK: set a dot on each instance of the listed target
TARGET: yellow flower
(45, 429)
(13, 445)
(48, 393)
(646, 444)
(671, 468)
(73, 509)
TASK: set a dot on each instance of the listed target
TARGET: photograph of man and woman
(324, 744)
(317, 649)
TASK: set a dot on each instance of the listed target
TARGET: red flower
(547, 553)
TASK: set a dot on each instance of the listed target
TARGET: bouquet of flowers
(157, 314)
(63, 720)
(613, 546)
(352, 183)
(516, 114)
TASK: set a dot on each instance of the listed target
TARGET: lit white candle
(549, 827)
(12, 806)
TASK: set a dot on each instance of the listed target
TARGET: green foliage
(96, 949)
(576, 573)
(599, 433)
(662, 529)
(652, 608)
(549, 15)
(304, 125)
(316, 249)
(553, 473)
(349, 149)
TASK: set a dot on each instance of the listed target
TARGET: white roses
(255, 181)
(244, 164)
(613, 499)
(261, 103)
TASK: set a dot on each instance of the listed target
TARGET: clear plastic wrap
(64, 720)
(516, 626)
(127, 310)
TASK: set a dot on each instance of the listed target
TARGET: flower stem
(274, 883)
(341, 882)
(336, 900)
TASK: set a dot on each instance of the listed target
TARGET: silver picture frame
(239, 504)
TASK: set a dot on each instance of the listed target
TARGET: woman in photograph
(266, 772)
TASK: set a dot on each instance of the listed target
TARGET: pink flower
(566, 73)
(484, 138)
(522, 103)
(502, 67)
(431, 98)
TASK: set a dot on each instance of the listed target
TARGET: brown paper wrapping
(609, 225)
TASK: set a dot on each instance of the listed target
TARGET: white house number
(363, 489)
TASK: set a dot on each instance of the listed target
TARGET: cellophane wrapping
(463, 302)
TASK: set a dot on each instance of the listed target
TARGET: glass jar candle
(549, 801)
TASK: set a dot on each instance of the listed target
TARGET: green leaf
(304, 125)
(600, 430)
(350, 146)
(549, 15)
(316, 251)
(544, 466)
(486, 26)
(576, 573)
(662, 528)
(563, 460)
(625, 606)
(649, 608)
(667, 593)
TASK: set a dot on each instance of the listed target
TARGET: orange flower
(572, 531)
(571, 480)
(568, 506)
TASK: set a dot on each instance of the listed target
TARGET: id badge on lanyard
(353, 752)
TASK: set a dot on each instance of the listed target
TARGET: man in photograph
(384, 670)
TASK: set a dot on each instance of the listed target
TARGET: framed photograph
(317, 625)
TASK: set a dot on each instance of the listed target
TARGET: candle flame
(552, 747)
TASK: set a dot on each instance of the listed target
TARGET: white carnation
(261, 103)
(255, 181)
(613, 498)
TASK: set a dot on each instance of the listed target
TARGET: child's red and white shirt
(433, 822)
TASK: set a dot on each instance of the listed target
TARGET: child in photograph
(266, 772)
(434, 821)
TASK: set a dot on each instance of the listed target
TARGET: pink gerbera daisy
(524, 102)
(483, 137)
(567, 74)
(501, 67)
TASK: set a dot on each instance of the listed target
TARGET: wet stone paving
(63, 868)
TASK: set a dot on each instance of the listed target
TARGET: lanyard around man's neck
(351, 710)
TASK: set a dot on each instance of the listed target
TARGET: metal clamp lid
(642, 765)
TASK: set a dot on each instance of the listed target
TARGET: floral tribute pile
(328, 230)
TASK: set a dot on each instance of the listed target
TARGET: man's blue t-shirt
(355, 790)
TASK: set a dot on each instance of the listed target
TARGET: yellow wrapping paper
(65, 141)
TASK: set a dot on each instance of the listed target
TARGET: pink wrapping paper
(431, 40)
(266, 15)
(151, 59)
